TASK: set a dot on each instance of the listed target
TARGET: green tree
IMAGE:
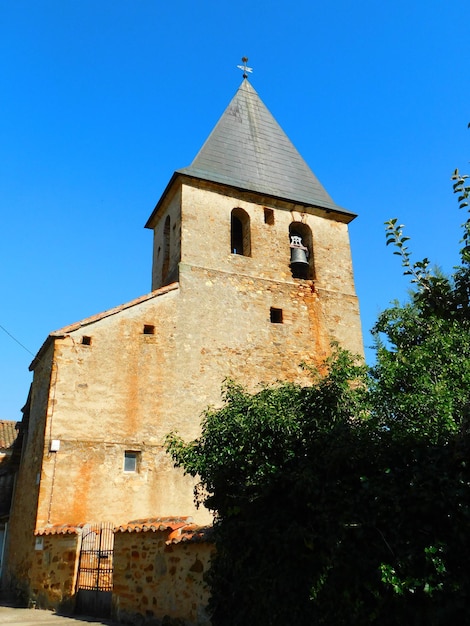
(269, 464)
(422, 376)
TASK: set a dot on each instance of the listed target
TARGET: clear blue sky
(101, 100)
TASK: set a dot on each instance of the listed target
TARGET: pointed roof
(249, 150)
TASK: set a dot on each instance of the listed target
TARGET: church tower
(260, 248)
(251, 277)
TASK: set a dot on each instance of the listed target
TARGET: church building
(251, 276)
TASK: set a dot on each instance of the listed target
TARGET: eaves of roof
(59, 529)
(154, 524)
(181, 529)
(191, 534)
(336, 212)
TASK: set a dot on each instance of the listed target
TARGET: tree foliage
(422, 376)
(348, 501)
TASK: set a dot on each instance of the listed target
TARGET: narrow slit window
(149, 329)
(269, 217)
(86, 340)
(276, 316)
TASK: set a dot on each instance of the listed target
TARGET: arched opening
(240, 237)
(166, 247)
(301, 251)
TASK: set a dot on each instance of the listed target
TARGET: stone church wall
(20, 539)
(114, 394)
(119, 383)
(109, 389)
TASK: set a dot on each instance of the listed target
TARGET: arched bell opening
(301, 251)
(240, 236)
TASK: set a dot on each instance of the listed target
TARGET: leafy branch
(419, 271)
(461, 188)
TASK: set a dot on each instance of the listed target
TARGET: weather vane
(244, 67)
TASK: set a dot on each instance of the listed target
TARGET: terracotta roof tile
(153, 524)
(182, 530)
(60, 529)
(190, 534)
(8, 434)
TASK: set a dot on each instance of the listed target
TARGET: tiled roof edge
(209, 177)
(99, 316)
(192, 533)
(181, 529)
(113, 311)
(153, 524)
(59, 529)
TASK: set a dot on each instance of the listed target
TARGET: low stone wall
(158, 579)
(159, 574)
(53, 571)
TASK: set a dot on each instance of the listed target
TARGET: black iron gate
(95, 570)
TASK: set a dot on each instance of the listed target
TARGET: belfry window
(166, 247)
(240, 237)
(301, 252)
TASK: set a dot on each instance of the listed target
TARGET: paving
(37, 617)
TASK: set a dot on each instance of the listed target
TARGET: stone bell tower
(251, 277)
(260, 250)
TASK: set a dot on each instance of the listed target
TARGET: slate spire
(248, 149)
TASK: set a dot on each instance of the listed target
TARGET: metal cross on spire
(244, 67)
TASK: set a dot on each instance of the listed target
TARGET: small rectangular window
(86, 341)
(269, 216)
(131, 461)
(276, 316)
(149, 329)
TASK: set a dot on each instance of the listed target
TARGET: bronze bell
(298, 257)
